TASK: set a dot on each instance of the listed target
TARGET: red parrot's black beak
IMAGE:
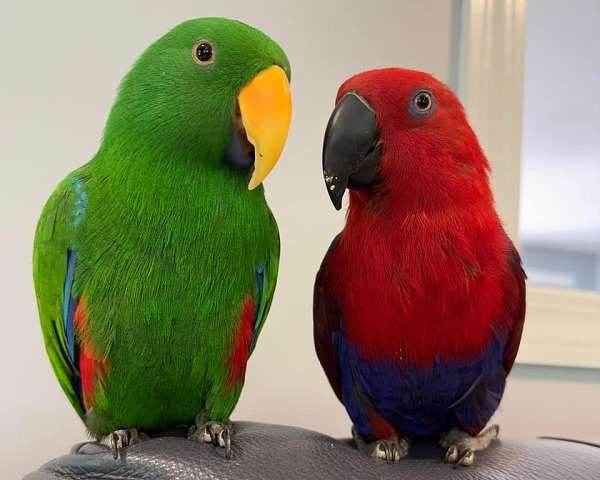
(351, 150)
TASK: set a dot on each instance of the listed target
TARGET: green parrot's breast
(164, 265)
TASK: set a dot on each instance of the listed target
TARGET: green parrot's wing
(266, 279)
(54, 261)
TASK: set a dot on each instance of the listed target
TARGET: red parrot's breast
(420, 288)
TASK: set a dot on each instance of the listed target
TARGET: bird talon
(451, 455)
(120, 439)
(227, 443)
(114, 448)
(467, 458)
(461, 446)
(394, 452)
(218, 434)
(388, 457)
(391, 450)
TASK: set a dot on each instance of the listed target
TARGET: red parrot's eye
(421, 103)
(203, 52)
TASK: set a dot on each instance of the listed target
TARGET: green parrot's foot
(390, 450)
(217, 433)
(461, 446)
(120, 439)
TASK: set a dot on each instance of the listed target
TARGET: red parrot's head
(402, 136)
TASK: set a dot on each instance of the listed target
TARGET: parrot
(419, 302)
(155, 263)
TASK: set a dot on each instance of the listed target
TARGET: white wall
(60, 63)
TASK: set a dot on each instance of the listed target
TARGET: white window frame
(562, 326)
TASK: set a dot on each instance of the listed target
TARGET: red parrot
(419, 303)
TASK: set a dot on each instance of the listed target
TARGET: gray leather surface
(263, 451)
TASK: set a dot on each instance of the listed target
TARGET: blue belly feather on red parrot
(420, 301)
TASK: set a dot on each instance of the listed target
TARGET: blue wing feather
(69, 305)
(261, 305)
(55, 250)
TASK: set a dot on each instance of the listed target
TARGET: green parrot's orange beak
(266, 110)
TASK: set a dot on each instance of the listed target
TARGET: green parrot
(155, 263)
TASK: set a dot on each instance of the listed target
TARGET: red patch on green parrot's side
(242, 340)
(93, 367)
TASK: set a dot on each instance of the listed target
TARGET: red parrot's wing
(326, 318)
(481, 400)
(515, 300)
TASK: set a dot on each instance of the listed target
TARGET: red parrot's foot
(217, 433)
(461, 446)
(120, 439)
(390, 450)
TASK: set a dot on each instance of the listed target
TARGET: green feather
(168, 238)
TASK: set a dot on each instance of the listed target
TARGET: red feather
(93, 367)
(241, 344)
(419, 306)
(326, 324)
(434, 280)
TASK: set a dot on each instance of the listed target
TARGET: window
(559, 221)
(553, 195)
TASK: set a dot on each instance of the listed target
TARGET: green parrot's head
(213, 87)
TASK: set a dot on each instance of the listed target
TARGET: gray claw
(451, 455)
(394, 451)
(216, 433)
(466, 458)
(386, 451)
(121, 439)
(391, 450)
(461, 447)
(227, 441)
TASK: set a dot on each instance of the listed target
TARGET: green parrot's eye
(421, 103)
(203, 52)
